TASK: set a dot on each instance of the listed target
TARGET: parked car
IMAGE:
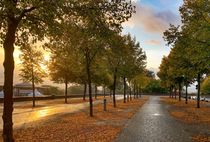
(207, 99)
(202, 98)
(194, 97)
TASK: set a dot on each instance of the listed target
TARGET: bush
(76, 89)
(51, 90)
(154, 87)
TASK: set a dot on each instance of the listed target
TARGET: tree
(19, 21)
(163, 74)
(64, 66)
(196, 24)
(31, 68)
(133, 61)
(191, 39)
(125, 59)
(101, 75)
(101, 19)
(96, 31)
(154, 86)
(114, 59)
(140, 82)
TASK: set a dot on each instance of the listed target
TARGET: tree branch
(94, 54)
(203, 42)
(27, 10)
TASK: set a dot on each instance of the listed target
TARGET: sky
(152, 18)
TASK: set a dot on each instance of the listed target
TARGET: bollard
(104, 104)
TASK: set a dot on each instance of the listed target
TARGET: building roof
(24, 84)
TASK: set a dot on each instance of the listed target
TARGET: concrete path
(152, 123)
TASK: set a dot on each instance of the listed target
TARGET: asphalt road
(152, 123)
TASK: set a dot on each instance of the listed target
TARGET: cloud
(153, 42)
(135, 1)
(151, 20)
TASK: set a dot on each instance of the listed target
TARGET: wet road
(152, 123)
(24, 113)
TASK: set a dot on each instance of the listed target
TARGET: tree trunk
(180, 90)
(134, 91)
(85, 90)
(33, 87)
(198, 96)
(175, 92)
(186, 94)
(87, 56)
(114, 87)
(90, 90)
(110, 93)
(104, 91)
(66, 89)
(170, 93)
(172, 96)
(140, 92)
(8, 81)
(124, 82)
(127, 97)
(96, 91)
(137, 92)
(130, 93)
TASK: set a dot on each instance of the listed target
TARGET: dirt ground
(80, 127)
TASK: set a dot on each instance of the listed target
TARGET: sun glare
(46, 56)
(16, 55)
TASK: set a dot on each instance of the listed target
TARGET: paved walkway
(152, 123)
(24, 113)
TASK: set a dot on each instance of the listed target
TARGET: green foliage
(133, 58)
(125, 57)
(76, 89)
(31, 66)
(51, 90)
(64, 65)
(191, 47)
(31, 21)
(163, 74)
(141, 80)
(154, 86)
(205, 86)
(197, 32)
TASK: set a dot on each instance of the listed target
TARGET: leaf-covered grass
(200, 138)
(188, 113)
(79, 127)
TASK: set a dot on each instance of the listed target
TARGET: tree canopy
(32, 21)
(189, 58)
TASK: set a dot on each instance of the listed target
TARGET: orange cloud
(151, 20)
(153, 42)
